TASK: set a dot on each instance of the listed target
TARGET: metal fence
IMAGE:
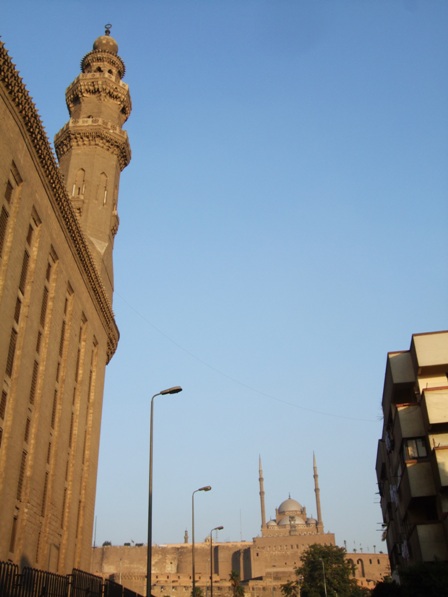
(39, 583)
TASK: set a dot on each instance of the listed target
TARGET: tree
(387, 588)
(237, 588)
(324, 572)
(291, 588)
(198, 592)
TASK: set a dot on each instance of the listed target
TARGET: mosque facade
(58, 220)
(263, 564)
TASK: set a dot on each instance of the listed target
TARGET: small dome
(289, 505)
(272, 523)
(311, 521)
(288, 520)
(106, 43)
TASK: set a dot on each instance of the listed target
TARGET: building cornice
(20, 98)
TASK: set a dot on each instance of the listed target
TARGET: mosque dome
(106, 43)
(288, 520)
(272, 523)
(289, 505)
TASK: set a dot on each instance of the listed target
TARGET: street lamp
(174, 390)
(323, 572)
(211, 558)
(205, 488)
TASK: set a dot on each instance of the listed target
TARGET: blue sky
(282, 227)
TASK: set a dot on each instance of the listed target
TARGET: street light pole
(323, 572)
(174, 390)
(205, 488)
(211, 558)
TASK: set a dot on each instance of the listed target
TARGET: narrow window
(38, 341)
(38, 547)
(44, 495)
(70, 437)
(61, 340)
(12, 541)
(8, 192)
(3, 404)
(78, 187)
(3, 224)
(53, 411)
(64, 501)
(23, 274)
(29, 236)
(27, 430)
(102, 189)
(17, 310)
(77, 365)
(34, 382)
(44, 305)
(21, 476)
(11, 352)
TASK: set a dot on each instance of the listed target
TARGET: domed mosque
(291, 517)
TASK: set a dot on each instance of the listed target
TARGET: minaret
(93, 149)
(263, 510)
(320, 524)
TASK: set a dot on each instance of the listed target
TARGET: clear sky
(283, 225)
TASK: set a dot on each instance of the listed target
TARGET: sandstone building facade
(57, 328)
(412, 456)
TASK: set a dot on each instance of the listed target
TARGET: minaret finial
(107, 27)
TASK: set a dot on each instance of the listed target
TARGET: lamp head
(206, 488)
(218, 528)
(174, 390)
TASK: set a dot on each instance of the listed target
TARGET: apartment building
(412, 457)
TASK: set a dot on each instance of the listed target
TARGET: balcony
(408, 422)
(417, 482)
(435, 406)
(440, 466)
(428, 542)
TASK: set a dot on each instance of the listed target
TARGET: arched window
(102, 189)
(79, 184)
(360, 564)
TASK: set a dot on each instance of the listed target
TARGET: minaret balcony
(93, 85)
(94, 121)
(98, 76)
(94, 132)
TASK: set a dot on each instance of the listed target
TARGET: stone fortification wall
(262, 565)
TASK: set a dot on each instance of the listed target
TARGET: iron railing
(39, 583)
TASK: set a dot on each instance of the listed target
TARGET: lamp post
(211, 558)
(323, 572)
(205, 488)
(174, 390)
